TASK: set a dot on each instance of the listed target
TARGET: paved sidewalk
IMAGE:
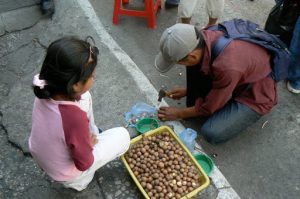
(24, 36)
(263, 161)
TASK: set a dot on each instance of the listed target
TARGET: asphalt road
(263, 162)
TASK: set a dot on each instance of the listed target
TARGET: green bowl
(205, 162)
(146, 124)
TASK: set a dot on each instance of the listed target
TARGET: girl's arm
(86, 103)
(77, 136)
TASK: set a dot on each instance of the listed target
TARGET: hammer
(161, 94)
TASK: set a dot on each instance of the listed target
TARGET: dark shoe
(170, 6)
(47, 7)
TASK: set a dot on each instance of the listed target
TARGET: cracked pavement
(22, 47)
(24, 36)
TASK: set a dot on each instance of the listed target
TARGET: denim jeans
(228, 122)
(294, 69)
(224, 124)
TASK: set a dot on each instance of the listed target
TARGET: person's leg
(212, 21)
(294, 68)
(278, 1)
(171, 4)
(175, 2)
(228, 122)
(47, 7)
(214, 10)
(111, 144)
(197, 84)
(186, 9)
(186, 20)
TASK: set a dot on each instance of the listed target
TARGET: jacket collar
(209, 37)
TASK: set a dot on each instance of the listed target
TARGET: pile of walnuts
(162, 167)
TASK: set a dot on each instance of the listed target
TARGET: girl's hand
(94, 139)
(177, 93)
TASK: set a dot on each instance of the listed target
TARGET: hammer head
(161, 94)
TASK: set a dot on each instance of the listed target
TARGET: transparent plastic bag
(139, 111)
(188, 137)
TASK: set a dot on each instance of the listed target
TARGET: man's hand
(169, 113)
(173, 113)
(94, 139)
(177, 93)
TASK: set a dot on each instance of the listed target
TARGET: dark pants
(294, 69)
(174, 2)
(224, 124)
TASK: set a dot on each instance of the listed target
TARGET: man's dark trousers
(227, 122)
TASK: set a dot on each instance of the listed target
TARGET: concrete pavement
(262, 162)
(25, 34)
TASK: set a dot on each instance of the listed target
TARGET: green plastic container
(146, 124)
(205, 162)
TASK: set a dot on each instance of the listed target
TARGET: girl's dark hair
(66, 63)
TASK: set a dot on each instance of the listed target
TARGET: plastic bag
(139, 111)
(282, 18)
(188, 137)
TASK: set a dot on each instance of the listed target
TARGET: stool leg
(125, 1)
(116, 11)
(151, 15)
(158, 2)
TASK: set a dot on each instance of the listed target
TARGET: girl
(64, 140)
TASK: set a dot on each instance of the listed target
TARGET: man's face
(192, 59)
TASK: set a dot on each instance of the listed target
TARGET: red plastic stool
(150, 11)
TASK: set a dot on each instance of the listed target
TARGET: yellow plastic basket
(204, 180)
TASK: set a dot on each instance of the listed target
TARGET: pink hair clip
(38, 82)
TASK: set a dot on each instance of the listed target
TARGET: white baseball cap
(175, 43)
